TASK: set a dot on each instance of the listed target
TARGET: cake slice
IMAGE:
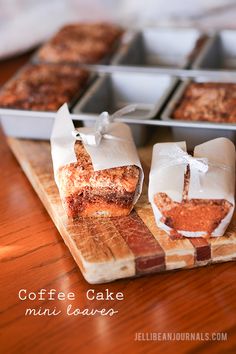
(191, 215)
(88, 193)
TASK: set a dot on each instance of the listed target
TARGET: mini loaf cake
(43, 87)
(193, 196)
(213, 102)
(88, 193)
(81, 43)
(191, 215)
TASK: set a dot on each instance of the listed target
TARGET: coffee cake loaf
(193, 195)
(191, 215)
(212, 102)
(88, 193)
(43, 87)
(81, 43)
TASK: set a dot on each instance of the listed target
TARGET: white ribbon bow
(180, 157)
(93, 136)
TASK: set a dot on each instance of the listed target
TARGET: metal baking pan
(27, 124)
(77, 95)
(163, 47)
(195, 132)
(111, 92)
(220, 53)
(33, 124)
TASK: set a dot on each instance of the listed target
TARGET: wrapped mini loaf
(193, 196)
(97, 170)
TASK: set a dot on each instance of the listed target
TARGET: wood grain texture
(115, 248)
(34, 256)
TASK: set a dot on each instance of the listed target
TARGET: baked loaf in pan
(212, 102)
(88, 193)
(81, 43)
(43, 87)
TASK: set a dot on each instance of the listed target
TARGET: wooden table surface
(33, 257)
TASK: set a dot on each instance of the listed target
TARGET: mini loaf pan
(194, 132)
(77, 95)
(111, 92)
(163, 47)
(108, 92)
(33, 124)
(220, 52)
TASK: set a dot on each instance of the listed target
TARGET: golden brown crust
(81, 43)
(213, 102)
(43, 87)
(86, 192)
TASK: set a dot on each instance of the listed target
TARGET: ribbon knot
(93, 135)
(179, 157)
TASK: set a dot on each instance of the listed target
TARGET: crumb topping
(81, 175)
(81, 43)
(213, 102)
(43, 87)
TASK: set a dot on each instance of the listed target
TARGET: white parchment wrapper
(217, 183)
(110, 153)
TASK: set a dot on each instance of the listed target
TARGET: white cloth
(26, 23)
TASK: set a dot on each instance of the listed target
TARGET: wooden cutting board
(109, 249)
